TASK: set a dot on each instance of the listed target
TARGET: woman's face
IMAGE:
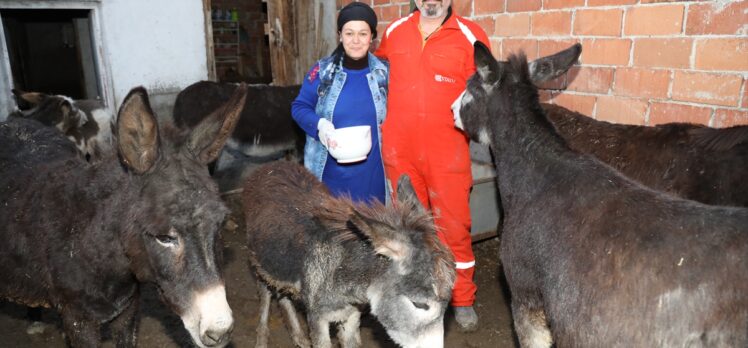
(356, 38)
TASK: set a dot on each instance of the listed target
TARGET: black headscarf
(358, 11)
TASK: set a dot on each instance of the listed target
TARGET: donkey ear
(382, 237)
(27, 100)
(406, 194)
(485, 64)
(209, 136)
(137, 132)
(551, 67)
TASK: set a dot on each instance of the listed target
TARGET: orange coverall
(419, 137)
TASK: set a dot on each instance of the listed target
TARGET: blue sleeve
(302, 108)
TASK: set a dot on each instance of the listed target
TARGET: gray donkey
(335, 256)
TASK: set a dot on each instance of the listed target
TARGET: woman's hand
(326, 133)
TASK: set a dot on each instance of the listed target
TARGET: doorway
(32, 36)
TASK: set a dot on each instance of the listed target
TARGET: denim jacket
(315, 155)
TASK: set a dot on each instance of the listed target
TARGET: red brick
(513, 46)
(405, 10)
(381, 2)
(654, 20)
(523, 5)
(513, 25)
(663, 53)
(483, 7)
(487, 23)
(551, 23)
(606, 52)
(598, 22)
(729, 118)
(557, 4)
(707, 88)
(722, 54)
(634, 82)
(744, 104)
(610, 2)
(621, 110)
(462, 7)
(660, 113)
(591, 80)
(496, 46)
(583, 104)
(388, 13)
(712, 18)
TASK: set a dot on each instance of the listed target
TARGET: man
(431, 58)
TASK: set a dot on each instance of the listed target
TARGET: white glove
(326, 132)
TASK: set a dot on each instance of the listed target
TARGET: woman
(348, 88)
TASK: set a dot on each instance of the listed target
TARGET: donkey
(691, 161)
(265, 127)
(81, 237)
(592, 258)
(335, 256)
(85, 123)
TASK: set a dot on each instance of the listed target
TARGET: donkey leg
(81, 333)
(531, 326)
(124, 328)
(348, 331)
(299, 337)
(262, 326)
(319, 329)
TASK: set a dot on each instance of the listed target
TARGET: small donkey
(334, 256)
(85, 122)
(592, 258)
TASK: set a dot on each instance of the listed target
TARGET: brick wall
(643, 61)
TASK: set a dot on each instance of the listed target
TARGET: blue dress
(355, 107)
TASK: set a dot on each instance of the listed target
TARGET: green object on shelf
(234, 15)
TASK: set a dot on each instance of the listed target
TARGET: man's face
(433, 8)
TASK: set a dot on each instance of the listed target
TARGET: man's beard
(432, 10)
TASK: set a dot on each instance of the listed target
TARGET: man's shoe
(467, 320)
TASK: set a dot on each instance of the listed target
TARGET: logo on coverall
(440, 78)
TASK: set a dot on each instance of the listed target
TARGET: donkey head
(496, 86)
(410, 297)
(51, 110)
(176, 241)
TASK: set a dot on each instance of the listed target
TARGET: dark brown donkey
(708, 165)
(81, 237)
(592, 258)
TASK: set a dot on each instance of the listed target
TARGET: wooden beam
(210, 52)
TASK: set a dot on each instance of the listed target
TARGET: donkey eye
(166, 240)
(420, 305)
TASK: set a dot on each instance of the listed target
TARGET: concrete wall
(157, 44)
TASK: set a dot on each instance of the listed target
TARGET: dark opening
(51, 51)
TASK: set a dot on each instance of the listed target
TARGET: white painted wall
(156, 44)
